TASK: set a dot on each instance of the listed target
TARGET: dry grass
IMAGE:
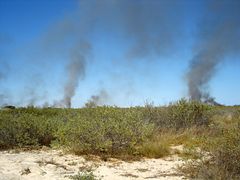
(219, 156)
(161, 144)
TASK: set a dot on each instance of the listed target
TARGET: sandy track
(54, 165)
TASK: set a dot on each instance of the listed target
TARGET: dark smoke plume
(98, 100)
(66, 37)
(75, 70)
(5, 40)
(150, 27)
(219, 37)
(4, 68)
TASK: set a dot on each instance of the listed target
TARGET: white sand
(54, 165)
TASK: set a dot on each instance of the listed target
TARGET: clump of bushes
(105, 130)
(222, 160)
(179, 115)
(26, 127)
(184, 114)
(100, 130)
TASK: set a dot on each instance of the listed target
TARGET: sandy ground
(54, 165)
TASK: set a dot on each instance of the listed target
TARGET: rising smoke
(4, 68)
(75, 70)
(218, 37)
(150, 27)
(67, 38)
(98, 100)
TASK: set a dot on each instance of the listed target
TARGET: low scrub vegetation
(99, 130)
(179, 115)
(219, 157)
(27, 127)
(105, 130)
(210, 134)
(157, 147)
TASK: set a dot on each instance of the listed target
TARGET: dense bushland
(96, 130)
(138, 131)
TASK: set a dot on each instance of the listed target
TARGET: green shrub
(105, 130)
(223, 158)
(26, 127)
(108, 130)
(185, 114)
(182, 114)
(83, 176)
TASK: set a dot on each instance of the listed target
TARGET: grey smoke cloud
(67, 38)
(4, 69)
(32, 93)
(75, 71)
(99, 99)
(219, 35)
(150, 27)
(2, 96)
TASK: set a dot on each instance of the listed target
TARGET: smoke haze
(75, 70)
(99, 99)
(150, 29)
(4, 68)
(145, 30)
(219, 31)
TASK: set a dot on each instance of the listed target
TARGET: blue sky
(35, 72)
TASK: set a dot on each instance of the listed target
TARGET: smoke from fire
(219, 32)
(149, 28)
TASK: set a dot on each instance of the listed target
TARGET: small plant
(83, 176)
(25, 171)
